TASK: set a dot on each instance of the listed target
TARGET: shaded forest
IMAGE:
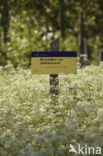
(51, 115)
(31, 25)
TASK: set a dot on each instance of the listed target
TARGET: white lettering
(80, 149)
(85, 150)
(98, 150)
(91, 150)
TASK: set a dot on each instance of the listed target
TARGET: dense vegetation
(32, 24)
(30, 125)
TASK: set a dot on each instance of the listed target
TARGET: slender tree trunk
(62, 18)
(81, 37)
(81, 34)
(5, 19)
(4, 25)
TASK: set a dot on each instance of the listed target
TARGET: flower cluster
(31, 125)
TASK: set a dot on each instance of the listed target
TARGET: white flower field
(30, 125)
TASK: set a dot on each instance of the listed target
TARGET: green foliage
(69, 44)
(31, 25)
(24, 39)
(30, 125)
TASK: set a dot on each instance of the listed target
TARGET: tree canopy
(32, 24)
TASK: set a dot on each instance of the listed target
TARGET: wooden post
(54, 81)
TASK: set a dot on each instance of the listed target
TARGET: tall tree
(4, 25)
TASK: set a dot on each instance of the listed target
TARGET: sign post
(54, 80)
(54, 63)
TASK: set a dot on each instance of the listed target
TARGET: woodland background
(31, 25)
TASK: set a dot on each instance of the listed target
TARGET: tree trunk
(4, 25)
(5, 19)
(62, 18)
(81, 37)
